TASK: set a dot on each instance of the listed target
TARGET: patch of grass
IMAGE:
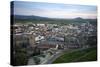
(91, 56)
(88, 55)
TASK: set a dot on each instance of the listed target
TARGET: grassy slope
(91, 56)
(83, 55)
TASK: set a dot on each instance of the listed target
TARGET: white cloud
(63, 14)
(54, 13)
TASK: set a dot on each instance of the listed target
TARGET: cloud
(57, 11)
(63, 14)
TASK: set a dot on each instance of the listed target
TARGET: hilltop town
(42, 42)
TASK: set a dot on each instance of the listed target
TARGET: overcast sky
(53, 10)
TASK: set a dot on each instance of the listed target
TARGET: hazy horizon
(54, 10)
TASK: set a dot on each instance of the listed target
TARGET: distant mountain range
(30, 17)
(39, 17)
(33, 17)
